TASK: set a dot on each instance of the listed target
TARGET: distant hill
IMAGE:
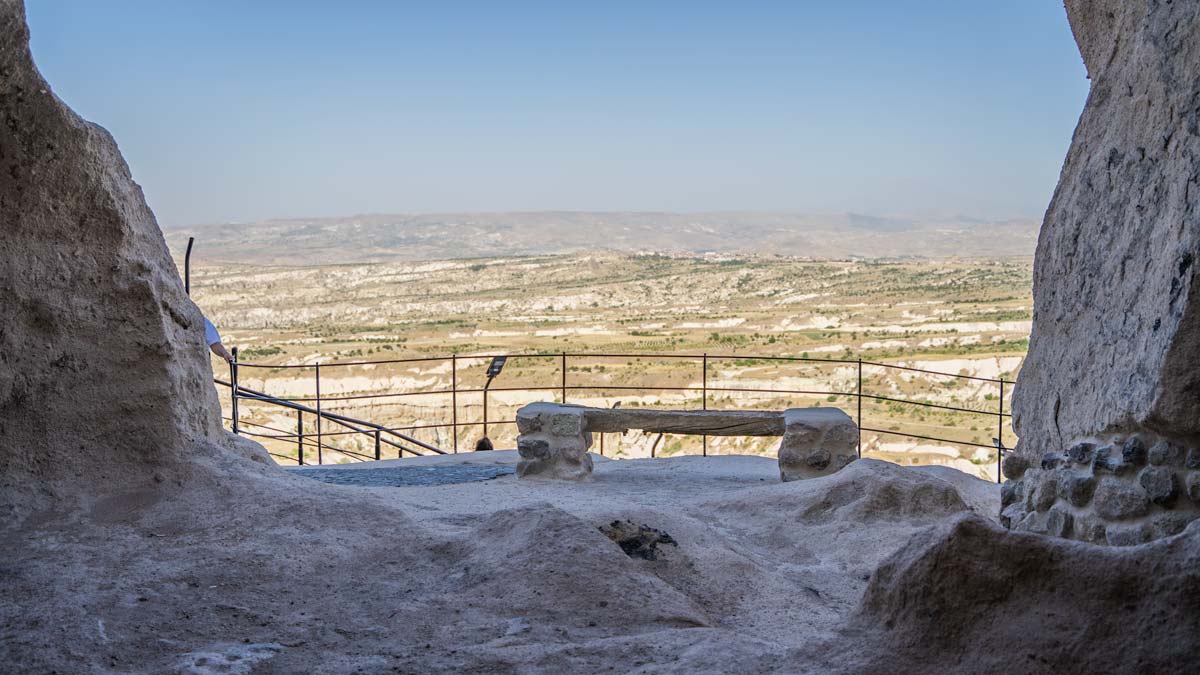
(469, 235)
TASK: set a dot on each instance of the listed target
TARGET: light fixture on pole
(493, 371)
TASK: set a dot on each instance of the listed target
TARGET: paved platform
(417, 476)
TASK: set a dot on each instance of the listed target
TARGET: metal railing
(396, 437)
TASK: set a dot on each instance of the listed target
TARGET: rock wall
(1115, 350)
(968, 597)
(105, 383)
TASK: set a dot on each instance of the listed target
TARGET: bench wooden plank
(710, 422)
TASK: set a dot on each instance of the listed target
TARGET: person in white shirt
(213, 338)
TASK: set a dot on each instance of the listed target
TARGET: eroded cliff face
(1108, 403)
(105, 383)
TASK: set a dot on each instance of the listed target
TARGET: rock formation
(1107, 406)
(1113, 371)
(554, 442)
(816, 442)
(969, 597)
(105, 384)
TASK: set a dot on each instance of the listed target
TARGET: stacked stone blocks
(1121, 490)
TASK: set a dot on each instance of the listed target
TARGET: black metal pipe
(563, 386)
(1000, 436)
(300, 437)
(704, 397)
(924, 438)
(487, 385)
(339, 418)
(187, 267)
(320, 458)
(859, 420)
(233, 391)
(454, 398)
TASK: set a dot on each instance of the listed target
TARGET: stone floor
(403, 476)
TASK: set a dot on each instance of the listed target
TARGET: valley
(718, 327)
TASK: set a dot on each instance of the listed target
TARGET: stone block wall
(1118, 490)
(554, 442)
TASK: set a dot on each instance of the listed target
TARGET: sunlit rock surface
(104, 379)
(1115, 352)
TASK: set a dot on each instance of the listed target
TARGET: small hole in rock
(637, 541)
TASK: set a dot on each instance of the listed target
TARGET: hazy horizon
(243, 113)
(908, 216)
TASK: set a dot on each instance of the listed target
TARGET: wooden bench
(554, 438)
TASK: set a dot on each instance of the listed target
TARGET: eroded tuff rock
(816, 442)
(970, 597)
(105, 384)
(1115, 353)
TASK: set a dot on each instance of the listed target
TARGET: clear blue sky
(246, 110)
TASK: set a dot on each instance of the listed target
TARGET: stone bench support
(554, 438)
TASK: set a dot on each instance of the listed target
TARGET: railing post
(704, 394)
(1000, 436)
(300, 437)
(377, 457)
(320, 454)
(860, 393)
(187, 267)
(453, 399)
(233, 391)
(564, 377)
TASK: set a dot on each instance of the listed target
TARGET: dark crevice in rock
(637, 541)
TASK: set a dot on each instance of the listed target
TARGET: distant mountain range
(477, 235)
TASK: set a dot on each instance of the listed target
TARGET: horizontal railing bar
(927, 438)
(797, 359)
(602, 355)
(989, 413)
(250, 394)
(285, 434)
(357, 426)
(276, 437)
(308, 441)
(324, 446)
(255, 424)
(357, 397)
(395, 431)
(600, 387)
(410, 427)
(935, 372)
(312, 444)
(242, 364)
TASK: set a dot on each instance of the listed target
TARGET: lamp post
(493, 370)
